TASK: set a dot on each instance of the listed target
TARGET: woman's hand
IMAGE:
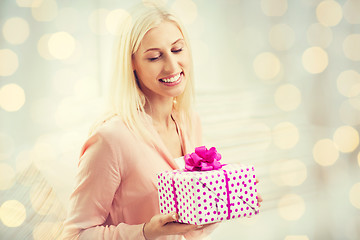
(259, 198)
(163, 224)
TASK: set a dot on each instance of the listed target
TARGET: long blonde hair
(126, 99)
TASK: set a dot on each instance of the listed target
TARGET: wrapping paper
(201, 197)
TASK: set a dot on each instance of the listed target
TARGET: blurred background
(277, 86)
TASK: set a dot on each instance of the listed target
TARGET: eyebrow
(157, 49)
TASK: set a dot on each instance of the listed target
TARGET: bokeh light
(12, 213)
(287, 97)
(97, 21)
(7, 146)
(61, 45)
(355, 102)
(29, 3)
(291, 172)
(274, 8)
(43, 47)
(285, 135)
(296, 237)
(351, 47)
(348, 83)
(291, 207)
(346, 138)
(319, 35)
(114, 18)
(282, 37)
(9, 62)
(47, 230)
(186, 10)
(351, 10)
(354, 195)
(77, 55)
(329, 13)
(266, 65)
(16, 30)
(325, 152)
(7, 176)
(315, 60)
(12, 97)
(46, 11)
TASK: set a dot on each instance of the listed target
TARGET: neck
(160, 112)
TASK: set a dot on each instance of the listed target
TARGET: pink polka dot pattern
(202, 197)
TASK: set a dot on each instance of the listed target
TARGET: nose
(170, 64)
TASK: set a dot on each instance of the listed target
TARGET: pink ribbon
(203, 159)
(227, 194)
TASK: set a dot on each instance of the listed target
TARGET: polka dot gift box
(207, 191)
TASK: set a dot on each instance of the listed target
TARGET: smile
(172, 79)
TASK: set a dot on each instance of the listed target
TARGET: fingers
(155, 227)
(180, 228)
(259, 199)
(167, 218)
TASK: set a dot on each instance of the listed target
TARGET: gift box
(207, 191)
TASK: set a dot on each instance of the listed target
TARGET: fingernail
(174, 216)
(199, 226)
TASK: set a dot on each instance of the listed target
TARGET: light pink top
(116, 189)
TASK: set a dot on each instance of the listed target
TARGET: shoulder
(108, 146)
(114, 128)
(109, 136)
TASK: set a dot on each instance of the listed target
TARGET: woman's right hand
(163, 224)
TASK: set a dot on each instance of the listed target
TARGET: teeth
(173, 79)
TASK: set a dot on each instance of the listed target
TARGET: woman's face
(162, 62)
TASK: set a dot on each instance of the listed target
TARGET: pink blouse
(116, 189)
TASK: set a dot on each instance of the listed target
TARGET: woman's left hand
(259, 198)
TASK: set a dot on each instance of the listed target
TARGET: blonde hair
(126, 99)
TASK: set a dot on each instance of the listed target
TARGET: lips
(172, 80)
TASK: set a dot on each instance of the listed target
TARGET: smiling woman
(149, 124)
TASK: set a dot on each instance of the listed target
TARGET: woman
(151, 123)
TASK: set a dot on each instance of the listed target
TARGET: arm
(98, 179)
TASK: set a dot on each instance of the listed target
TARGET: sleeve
(97, 180)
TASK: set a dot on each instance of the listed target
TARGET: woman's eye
(153, 59)
(177, 50)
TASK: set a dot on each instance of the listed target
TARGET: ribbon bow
(203, 159)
